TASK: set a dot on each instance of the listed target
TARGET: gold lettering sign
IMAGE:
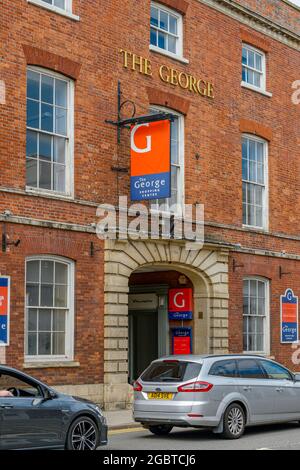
(168, 75)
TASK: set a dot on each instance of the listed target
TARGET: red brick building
(87, 314)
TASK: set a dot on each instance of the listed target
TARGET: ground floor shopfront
(119, 306)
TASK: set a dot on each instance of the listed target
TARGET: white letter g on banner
(148, 139)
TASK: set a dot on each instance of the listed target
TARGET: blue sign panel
(289, 317)
(3, 329)
(180, 315)
(4, 310)
(150, 187)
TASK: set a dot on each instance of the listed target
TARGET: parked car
(225, 393)
(38, 417)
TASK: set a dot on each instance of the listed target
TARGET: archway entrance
(150, 329)
(146, 267)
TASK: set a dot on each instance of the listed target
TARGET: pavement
(120, 419)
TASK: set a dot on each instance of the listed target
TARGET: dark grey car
(37, 416)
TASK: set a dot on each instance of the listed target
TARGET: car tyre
(83, 434)
(160, 429)
(234, 422)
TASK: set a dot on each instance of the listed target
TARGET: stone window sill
(168, 54)
(48, 365)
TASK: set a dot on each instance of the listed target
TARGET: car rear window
(179, 371)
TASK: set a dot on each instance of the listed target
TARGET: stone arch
(207, 268)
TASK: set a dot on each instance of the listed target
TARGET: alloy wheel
(235, 421)
(84, 436)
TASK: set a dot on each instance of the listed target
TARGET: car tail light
(137, 387)
(195, 387)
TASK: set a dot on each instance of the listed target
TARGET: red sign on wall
(181, 304)
(182, 345)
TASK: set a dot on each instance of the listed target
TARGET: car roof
(202, 357)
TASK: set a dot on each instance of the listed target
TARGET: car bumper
(103, 439)
(176, 419)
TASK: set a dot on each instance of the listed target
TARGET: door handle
(6, 407)
(247, 389)
(280, 389)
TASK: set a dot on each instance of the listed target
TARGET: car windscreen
(177, 371)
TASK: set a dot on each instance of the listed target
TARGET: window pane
(61, 273)
(244, 75)
(32, 271)
(172, 24)
(45, 146)
(153, 37)
(44, 344)
(32, 294)
(60, 4)
(31, 144)
(258, 62)
(32, 320)
(60, 121)
(59, 320)
(245, 169)
(163, 20)
(61, 93)
(31, 173)
(44, 320)
(47, 117)
(58, 343)
(32, 344)
(45, 175)
(33, 114)
(46, 296)
(59, 178)
(244, 56)
(59, 150)
(154, 16)
(162, 40)
(47, 89)
(60, 296)
(33, 85)
(47, 272)
(172, 44)
(251, 58)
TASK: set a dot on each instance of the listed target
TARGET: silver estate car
(225, 393)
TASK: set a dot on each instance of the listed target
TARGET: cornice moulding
(255, 21)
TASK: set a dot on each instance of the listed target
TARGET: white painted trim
(254, 88)
(67, 13)
(181, 153)
(265, 214)
(179, 43)
(263, 61)
(70, 323)
(267, 332)
(168, 54)
(69, 164)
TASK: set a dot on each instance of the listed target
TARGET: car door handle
(6, 407)
(247, 389)
(279, 389)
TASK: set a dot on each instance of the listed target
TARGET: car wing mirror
(297, 377)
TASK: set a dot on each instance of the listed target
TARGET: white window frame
(70, 323)
(69, 186)
(179, 43)
(67, 12)
(181, 164)
(266, 350)
(263, 73)
(265, 212)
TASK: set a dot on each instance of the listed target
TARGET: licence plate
(160, 396)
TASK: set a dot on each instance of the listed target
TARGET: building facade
(86, 314)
